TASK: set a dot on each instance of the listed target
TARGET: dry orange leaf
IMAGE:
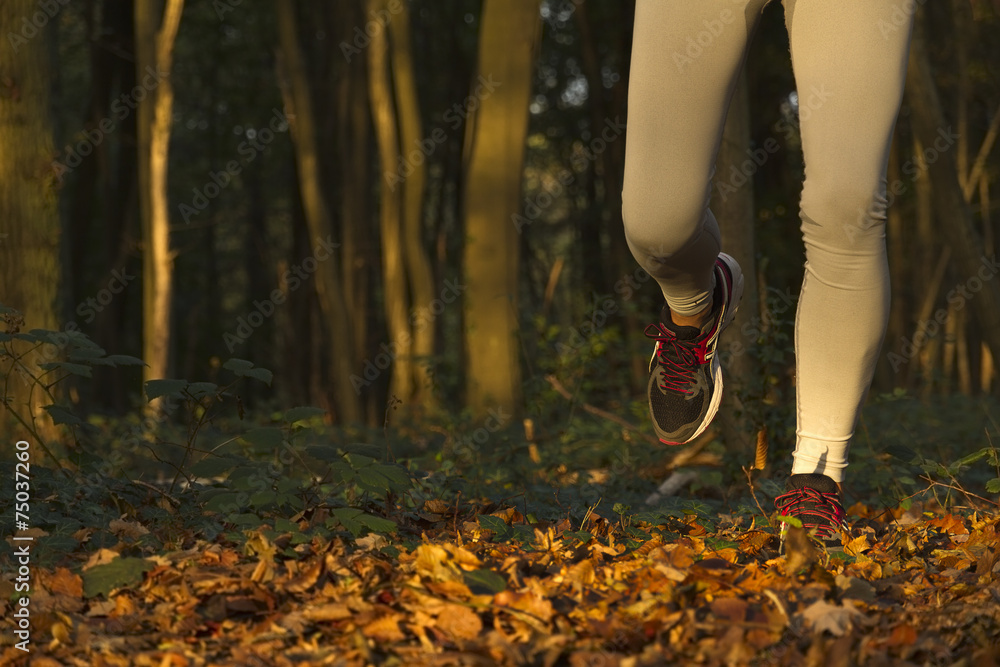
(385, 628)
(459, 622)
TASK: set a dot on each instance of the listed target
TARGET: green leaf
(225, 502)
(86, 353)
(293, 415)
(377, 524)
(398, 476)
(202, 389)
(244, 368)
(27, 337)
(157, 388)
(348, 518)
(373, 478)
(484, 582)
(75, 369)
(993, 486)
(324, 452)
(238, 366)
(61, 415)
(495, 524)
(973, 457)
(125, 360)
(265, 438)
(102, 579)
(283, 525)
(262, 498)
(261, 374)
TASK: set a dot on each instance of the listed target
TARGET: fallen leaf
(823, 616)
(459, 622)
(385, 628)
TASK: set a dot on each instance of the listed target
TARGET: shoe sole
(727, 317)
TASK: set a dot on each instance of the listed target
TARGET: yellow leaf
(857, 546)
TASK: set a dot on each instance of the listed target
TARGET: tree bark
(397, 299)
(29, 217)
(507, 45)
(418, 267)
(153, 59)
(298, 103)
(950, 206)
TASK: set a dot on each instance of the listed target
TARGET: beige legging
(849, 60)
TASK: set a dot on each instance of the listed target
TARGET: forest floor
(540, 571)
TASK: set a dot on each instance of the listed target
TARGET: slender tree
(29, 218)
(950, 204)
(418, 268)
(397, 296)
(154, 50)
(328, 280)
(495, 138)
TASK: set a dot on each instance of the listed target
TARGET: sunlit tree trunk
(418, 268)
(29, 219)
(735, 213)
(507, 44)
(299, 110)
(396, 295)
(154, 49)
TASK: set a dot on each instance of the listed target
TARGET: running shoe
(685, 376)
(815, 501)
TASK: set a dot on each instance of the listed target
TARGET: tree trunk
(951, 208)
(354, 155)
(298, 103)
(418, 267)
(29, 217)
(397, 299)
(154, 48)
(735, 213)
(507, 44)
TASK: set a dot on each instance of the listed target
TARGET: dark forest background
(413, 208)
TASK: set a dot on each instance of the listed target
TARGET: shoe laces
(678, 358)
(822, 512)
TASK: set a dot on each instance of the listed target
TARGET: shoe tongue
(821, 483)
(682, 333)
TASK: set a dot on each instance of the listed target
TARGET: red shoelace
(679, 358)
(815, 509)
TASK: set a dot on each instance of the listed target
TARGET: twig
(173, 501)
(558, 386)
(753, 492)
(965, 493)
